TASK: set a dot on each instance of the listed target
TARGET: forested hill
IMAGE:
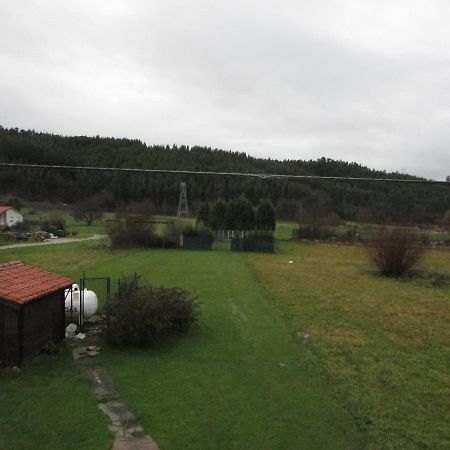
(383, 202)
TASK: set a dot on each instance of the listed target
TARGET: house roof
(21, 283)
(5, 208)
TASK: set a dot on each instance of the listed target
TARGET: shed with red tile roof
(31, 311)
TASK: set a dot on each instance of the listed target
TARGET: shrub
(396, 251)
(314, 232)
(135, 230)
(131, 231)
(254, 241)
(350, 236)
(144, 316)
(170, 236)
(55, 222)
(198, 231)
(24, 226)
(197, 238)
(261, 234)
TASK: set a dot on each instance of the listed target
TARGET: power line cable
(223, 174)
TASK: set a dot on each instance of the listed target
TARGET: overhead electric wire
(223, 174)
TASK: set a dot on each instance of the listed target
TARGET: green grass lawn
(238, 381)
(284, 230)
(384, 343)
(48, 405)
(81, 227)
(373, 373)
(367, 232)
(98, 226)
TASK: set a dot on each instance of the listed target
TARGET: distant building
(9, 216)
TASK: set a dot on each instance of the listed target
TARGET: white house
(9, 216)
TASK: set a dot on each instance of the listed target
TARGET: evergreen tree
(245, 214)
(231, 216)
(265, 216)
(204, 214)
(218, 215)
(388, 202)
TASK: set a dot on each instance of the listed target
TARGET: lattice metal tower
(183, 208)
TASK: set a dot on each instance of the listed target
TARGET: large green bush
(131, 231)
(313, 232)
(238, 214)
(134, 230)
(144, 316)
(198, 231)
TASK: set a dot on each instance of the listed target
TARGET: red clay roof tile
(21, 283)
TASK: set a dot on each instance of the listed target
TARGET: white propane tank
(72, 303)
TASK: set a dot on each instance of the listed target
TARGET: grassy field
(372, 370)
(81, 227)
(384, 343)
(239, 381)
(48, 405)
(284, 231)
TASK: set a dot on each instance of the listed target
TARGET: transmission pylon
(183, 208)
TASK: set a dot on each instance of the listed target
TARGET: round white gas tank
(72, 303)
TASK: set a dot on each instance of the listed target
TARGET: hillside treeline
(368, 201)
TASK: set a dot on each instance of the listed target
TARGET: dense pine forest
(367, 201)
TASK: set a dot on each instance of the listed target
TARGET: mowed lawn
(240, 380)
(320, 353)
(48, 405)
(384, 343)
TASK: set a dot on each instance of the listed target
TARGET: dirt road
(55, 242)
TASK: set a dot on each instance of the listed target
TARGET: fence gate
(101, 286)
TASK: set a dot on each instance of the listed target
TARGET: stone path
(96, 237)
(129, 434)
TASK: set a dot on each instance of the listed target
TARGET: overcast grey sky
(364, 81)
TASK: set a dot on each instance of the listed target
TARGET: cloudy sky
(366, 81)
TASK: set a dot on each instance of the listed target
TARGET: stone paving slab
(144, 443)
(129, 434)
(118, 412)
(101, 383)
